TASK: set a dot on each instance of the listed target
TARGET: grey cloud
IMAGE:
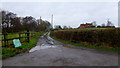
(67, 13)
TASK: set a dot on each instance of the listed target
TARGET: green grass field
(87, 29)
(11, 51)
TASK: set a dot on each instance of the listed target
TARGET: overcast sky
(66, 13)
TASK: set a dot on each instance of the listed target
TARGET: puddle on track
(43, 46)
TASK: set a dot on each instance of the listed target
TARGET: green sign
(16, 43)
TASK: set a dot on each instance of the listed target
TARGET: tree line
(12, 23)
(109, 24)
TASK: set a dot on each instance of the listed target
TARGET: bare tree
(6, 18)
(58, 27)
(94, 23)
(65, 27)
(11, 22)
(69, 27)
(109, 23)
(103, 25)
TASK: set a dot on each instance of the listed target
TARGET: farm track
(49, 52)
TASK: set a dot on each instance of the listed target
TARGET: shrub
(99, 37)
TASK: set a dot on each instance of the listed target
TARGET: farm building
(87, 25)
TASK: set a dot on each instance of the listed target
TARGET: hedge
(99, 37)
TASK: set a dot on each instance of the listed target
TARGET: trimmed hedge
(99, 37)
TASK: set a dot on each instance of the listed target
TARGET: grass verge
(89, 46)
(9, 51)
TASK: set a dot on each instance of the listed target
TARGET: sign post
(16, 43)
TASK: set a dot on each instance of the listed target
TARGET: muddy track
(49, 52)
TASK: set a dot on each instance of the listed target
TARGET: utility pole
(109, 22)
(52, 20)
(40, 20)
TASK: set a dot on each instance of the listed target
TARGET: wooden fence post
(28, 35)
(19, 35)
(32, 34)
(5, 39)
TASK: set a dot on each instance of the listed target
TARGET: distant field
(89, 28)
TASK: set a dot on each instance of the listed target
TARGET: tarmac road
(49, 52)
